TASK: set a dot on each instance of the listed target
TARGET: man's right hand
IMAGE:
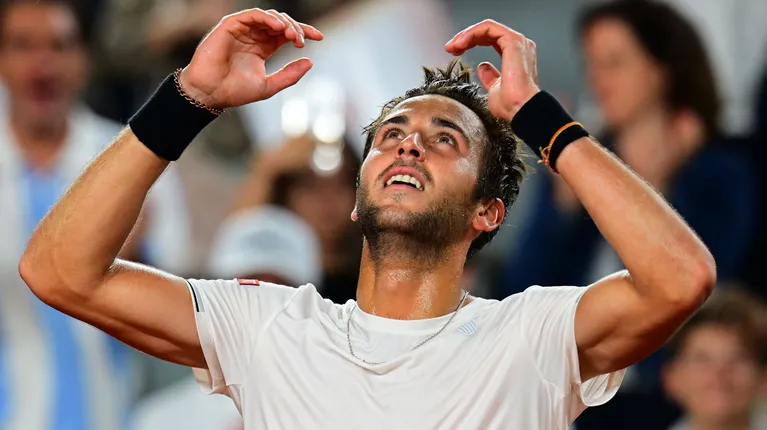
(228, 69)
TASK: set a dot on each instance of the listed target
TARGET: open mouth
(404, 180)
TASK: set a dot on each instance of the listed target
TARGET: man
(414, 351)
(268, 243)
(56, 372)
(717, 371)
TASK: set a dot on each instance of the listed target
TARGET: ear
(490, 216)
(355, 217)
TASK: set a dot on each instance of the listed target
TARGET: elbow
(698, 282)
(704, 277)
(35, 275)
(38, 272)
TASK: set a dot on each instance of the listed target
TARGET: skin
(407, 281)
(715, 379)
(619, 321)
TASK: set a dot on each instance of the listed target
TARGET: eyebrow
(439, 122)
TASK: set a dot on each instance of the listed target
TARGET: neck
(40, 143)
(649, 146)
(402, 285)
(738, 422)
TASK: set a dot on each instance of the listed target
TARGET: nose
(411, 147)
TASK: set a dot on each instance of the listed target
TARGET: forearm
(77, 242)
(663, 255)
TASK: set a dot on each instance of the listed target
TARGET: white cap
(266, 240)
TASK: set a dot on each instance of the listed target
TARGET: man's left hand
(517, 82)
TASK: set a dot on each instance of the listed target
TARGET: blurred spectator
(650, 75)
(56, 372)
(284, 177)
(649, 72)
(718, 365)
(270, 244)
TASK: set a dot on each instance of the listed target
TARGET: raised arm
(70, 262)
(624, 317)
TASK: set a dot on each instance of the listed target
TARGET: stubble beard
(418, 236)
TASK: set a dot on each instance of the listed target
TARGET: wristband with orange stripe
(545, 126)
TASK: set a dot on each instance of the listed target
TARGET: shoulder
(535, 301)
(307, 303)
(544, 298)
(252, 291)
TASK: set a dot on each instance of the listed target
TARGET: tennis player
(413, 351)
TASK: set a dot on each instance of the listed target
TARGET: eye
(393, 133)
(445, 138)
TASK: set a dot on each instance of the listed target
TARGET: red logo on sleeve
(252, 282)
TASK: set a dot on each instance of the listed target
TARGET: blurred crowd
(266, 192)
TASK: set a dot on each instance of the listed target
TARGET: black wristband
(538, 122)
(168, 121)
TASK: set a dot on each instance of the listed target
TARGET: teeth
(405, 179)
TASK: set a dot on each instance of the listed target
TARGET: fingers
(299, 42)
(254, 18)
(291, 32)
(287, 76)
(486, 33)
(488, 75)
(275, 23)
(311, 33)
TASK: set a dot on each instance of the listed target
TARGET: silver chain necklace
(373, 363)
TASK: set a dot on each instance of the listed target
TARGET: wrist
(515, 108)
(544, 126)
(169, 120)
(195, 93)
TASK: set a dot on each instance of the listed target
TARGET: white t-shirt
(282, 355)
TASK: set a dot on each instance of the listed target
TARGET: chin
(393, 216)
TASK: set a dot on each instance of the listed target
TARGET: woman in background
(651, 78)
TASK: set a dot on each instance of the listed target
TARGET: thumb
(488, 74)
(286, 76)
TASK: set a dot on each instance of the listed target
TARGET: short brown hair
(733, 309)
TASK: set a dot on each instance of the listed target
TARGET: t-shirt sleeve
(230, 321)
(548, 320)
